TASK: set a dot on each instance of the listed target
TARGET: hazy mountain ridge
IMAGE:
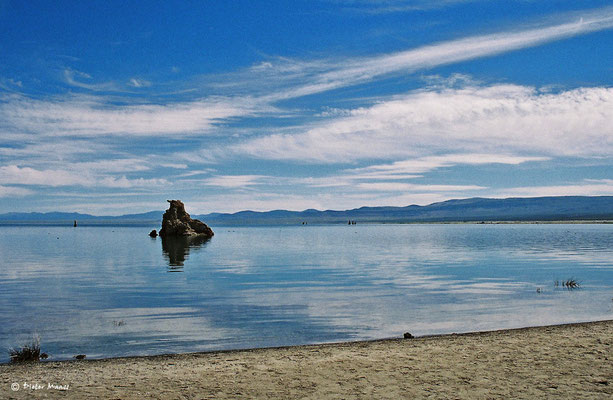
(473, 209)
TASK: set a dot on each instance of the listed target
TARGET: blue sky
(112, 107)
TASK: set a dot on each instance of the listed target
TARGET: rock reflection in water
(176, 249)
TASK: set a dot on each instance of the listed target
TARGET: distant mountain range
(564, 208)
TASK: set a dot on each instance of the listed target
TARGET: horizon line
(308, 209)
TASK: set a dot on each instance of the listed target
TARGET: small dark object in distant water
(44, 356)
(80, 356)
(539, 290)
(75, 223)
(571, 284)
(153, 233)
(407, 335)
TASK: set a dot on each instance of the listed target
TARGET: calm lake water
(113, 291)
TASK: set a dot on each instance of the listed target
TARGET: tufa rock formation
(177, 222)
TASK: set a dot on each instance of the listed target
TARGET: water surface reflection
(105, 291)
(176, 249)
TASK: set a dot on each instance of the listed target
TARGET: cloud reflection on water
(272, 286)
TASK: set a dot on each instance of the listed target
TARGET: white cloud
(111, 165)
(13, 174)
(138, 83)
(261, 86)
(406, 187)
(393, 6)
(588, 187)
(425, 164)
(174, 165)
(124, 183)
(10, 191)
(386, 176)
(234, 181)
(87, 116)
(195, 172)
(494, 119)
(50, 150)
(71, 76)
(460, 123)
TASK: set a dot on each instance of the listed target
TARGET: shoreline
(433, 336)
(152, 223)
(570, 361)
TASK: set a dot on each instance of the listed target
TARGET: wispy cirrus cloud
(303, 78)
(75, 78)
(255, 90)
(139, 83)
(394, 6)
(425, 164)
(388, 141)
(392, 177)
(46, 151)
(389, 176)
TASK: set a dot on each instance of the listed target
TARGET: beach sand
(565, 361)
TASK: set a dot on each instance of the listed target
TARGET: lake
(114, 291)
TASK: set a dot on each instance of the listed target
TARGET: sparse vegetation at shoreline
(28, 352)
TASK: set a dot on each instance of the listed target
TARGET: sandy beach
(565, 361)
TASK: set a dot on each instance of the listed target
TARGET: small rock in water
(44, 356)
(407, 335)
(80, 356)
(153, 233)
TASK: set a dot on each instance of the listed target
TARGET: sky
(113, 107)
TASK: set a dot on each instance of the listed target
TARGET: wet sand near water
(559, 362)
